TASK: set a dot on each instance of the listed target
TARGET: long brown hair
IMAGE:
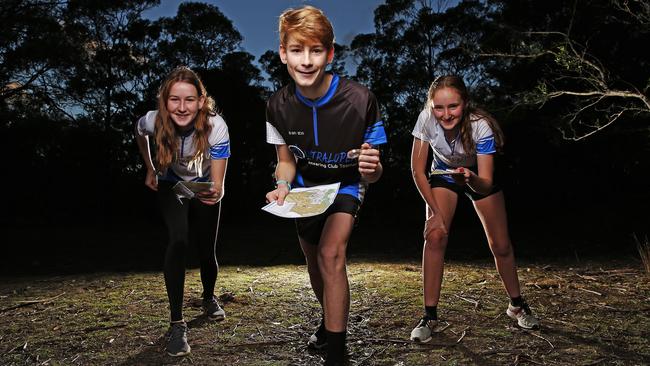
(470, 112)
(165, 130)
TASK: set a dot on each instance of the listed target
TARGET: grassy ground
(594, 313)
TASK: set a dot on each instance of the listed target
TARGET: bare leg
(311, 256)
(332, 265)
(433, 254)
(492, 212)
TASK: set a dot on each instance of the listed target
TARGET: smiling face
(183, 104)
(306, 63)
(448, 108)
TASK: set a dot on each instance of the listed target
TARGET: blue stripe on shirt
(351, 189)
(375, 134)
(486, 145)
(220, 151)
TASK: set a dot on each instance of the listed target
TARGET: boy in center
(314, 122)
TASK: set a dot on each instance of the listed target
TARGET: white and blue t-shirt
(179, 169)
(450, 155)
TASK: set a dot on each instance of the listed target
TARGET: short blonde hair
(306, 23)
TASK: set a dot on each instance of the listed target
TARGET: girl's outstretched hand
(151, 180)
(465, 178)
(210, 197)
(434, 222)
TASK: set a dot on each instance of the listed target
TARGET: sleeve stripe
(220, 151)
(375, 134)
(486, 145)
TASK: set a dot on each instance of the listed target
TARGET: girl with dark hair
(192, 145)
(464, 140)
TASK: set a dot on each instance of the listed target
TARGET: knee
(501, 250)
(331, 260)
(436, 241)
(176, 243)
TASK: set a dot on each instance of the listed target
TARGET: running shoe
(523, 316)
(177, 341)
(212, 309)
(318, 340)
(422, 332)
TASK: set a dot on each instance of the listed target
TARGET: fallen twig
(257, 344)
(525, 357)
(23, 346)
(30, 302)
(447, 325)
(363, 360)
(461, 337)
(500, 351)
(547, 341)
(94, 329)
(595, 362)
(474, 302)
(590, 291)
(395, 340)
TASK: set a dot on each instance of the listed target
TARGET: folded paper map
(444, 172)
(305, 202)
(189, 189)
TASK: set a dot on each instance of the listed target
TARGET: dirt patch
(592, 314)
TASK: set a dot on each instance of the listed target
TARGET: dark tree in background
(568, 82)
(551, 72)
(77, 74)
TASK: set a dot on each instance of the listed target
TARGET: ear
(283, 54)
(330, 55)
(201, 101)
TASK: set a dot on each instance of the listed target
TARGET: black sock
(517, 301)
(431, 312)
(335, 346)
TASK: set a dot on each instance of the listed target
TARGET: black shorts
(310, 228)
(437, 181)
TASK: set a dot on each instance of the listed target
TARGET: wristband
(278, 182)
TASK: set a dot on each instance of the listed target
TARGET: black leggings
(190, 220)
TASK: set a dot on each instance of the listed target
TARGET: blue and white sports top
(182, 166)
(450, 155)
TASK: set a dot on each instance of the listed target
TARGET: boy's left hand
(465, 178)
(368, 160)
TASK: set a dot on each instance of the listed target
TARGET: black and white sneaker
(212, 309)
(318, 340)
(423, 330)
(177, 342)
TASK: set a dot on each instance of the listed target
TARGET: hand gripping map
(305, 202)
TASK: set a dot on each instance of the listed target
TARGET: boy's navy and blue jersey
(321, 132)
(453, 155)
(180, 169)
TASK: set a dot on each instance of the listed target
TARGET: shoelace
(424, 322)
(177, 331)
(211, 302)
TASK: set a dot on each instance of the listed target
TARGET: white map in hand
(305, 202)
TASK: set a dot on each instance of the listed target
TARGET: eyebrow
(177, 96)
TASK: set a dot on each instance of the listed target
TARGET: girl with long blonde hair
(464, 140)
(192, 145)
